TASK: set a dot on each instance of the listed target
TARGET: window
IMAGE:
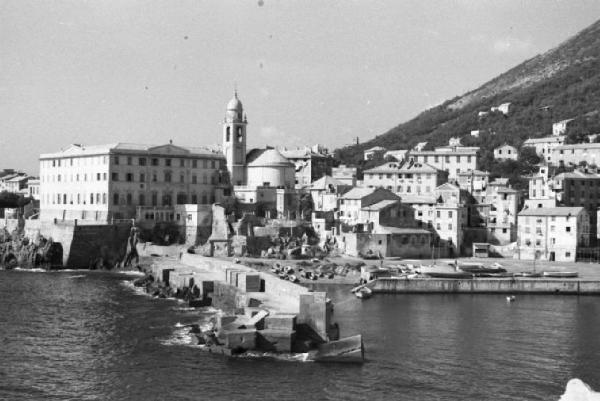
(168, 162)
(155, 161)
(98, 199)
(103, 198)
(142, 161)
(142, 177)
(154, 177)
(212, 164)
(449, 213)
(228, 134)
(204, 179)
(439, 214)
(449, 226)
(568, 229)
(129, 199)
(115, 199)
(115, 176)
(552, 228)
(194, 163)
(116, 159)
(142, 199)
(194, 179)
(194, 198)
(167, 176)
(181, 178)
(204, 163)
(104, 176)
(97, 176)
(129, 177)
(181, 162)
(91, 199)
(154, 199)
(129, 160)
(438, 226)
(567, 254)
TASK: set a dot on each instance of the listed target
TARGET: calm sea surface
(89, 336)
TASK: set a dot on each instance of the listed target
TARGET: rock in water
(579, 391)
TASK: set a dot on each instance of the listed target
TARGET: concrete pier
(486, 285)
(259, 311)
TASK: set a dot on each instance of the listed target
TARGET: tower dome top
(235, 104)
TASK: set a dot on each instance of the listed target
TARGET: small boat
(481, 269)
(511, 298)
(453, 275)
(559, 274)
(363, 293)
(528, 274)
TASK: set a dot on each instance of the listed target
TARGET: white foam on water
(181, 336)
(130, 272)
(34, 270)
(285, 357)
(577, 390)
(136, 290)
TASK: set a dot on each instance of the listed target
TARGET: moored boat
(363, 292)
(560, 274)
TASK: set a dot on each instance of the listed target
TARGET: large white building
(404, 178)
(100, 183)
(452, 159)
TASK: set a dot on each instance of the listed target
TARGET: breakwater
(486, 285)
(260, 312)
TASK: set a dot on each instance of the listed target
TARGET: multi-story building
(309, 165)
(325, 192)
(104, 182)
(452, 159)
(374, 153)
(409, 178)
(495, 211)
(506, 152)
(351, 202)
(474, 181)
(553, 234)
(543, 146)
(344, 174)
(444, 214)
(575, 154)
(33, 188)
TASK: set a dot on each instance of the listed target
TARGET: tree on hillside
(529, 156)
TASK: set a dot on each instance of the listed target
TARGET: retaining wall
(506, 286)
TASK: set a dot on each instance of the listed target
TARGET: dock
(509, 285)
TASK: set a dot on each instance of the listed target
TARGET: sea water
(92, 336)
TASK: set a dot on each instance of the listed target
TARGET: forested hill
(560, 84)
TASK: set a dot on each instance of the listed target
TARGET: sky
(307, 72)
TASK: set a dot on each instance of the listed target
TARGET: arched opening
(228, 134)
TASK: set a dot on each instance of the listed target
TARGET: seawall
(486, 286)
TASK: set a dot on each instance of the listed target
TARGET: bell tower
(234, 140)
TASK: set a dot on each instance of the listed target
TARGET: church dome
(235, 104)
(270, 158)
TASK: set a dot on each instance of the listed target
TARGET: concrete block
(240, 339)
(275, 340)
(281, 322)
(223, 321)
(248, 282)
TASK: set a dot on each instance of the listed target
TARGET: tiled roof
(552, 211)
(380, 205)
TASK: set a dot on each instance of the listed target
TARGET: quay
(258, 310)
(514, 285)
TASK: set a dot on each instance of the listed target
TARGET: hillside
(559, 84)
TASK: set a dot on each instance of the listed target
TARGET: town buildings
(375, 152)
(506, 152)
(100, 183)
(553, 234)
(309, 165)
(404, 178)
(544, 146)
(575, 154)
(344, 174)
(452, 159)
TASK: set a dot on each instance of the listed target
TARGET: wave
(577, 390)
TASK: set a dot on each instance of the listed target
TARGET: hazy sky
(307, 72)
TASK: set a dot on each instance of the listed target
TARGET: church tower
(234, 140)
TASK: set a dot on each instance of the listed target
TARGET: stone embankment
(486, 285)
(258, 311)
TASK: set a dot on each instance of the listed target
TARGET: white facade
(552, 234)
(403, 178)
(454, 160)
(576, 153)
(506, 152)
(105, 182)
(543, 146)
